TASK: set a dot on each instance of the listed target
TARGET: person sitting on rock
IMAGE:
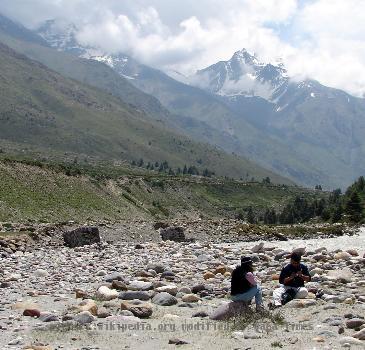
(244, 285)
(292, 278)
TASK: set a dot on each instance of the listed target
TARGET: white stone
(104, 293)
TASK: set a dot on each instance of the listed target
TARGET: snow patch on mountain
(60, 36)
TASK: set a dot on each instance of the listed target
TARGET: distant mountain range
(302, 130)
(324, 126)
(93, 114)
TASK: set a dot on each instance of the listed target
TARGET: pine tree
(360, 184)
(337, 213)
(353, 207)
(185, 171)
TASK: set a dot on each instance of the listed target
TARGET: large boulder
(173, 233)
(81, 236)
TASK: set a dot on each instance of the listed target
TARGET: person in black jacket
(292, 279)
(244, 285)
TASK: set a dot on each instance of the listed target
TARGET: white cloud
(319, 39)
(331, 44)
(197, 40)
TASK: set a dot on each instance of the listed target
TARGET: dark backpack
(288, 295)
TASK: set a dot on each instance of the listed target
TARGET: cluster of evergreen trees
(164, 167)
(354, 201)
(338, 207)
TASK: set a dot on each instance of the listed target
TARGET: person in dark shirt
(292, 279)
(244, 285)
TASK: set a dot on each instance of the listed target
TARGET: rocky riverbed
(25, 237)
(154, 294)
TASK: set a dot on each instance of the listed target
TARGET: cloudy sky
(320, 39)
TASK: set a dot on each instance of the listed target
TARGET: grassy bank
(51, 191)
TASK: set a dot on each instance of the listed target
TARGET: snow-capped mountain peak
(245, 57)
(243, 75)
(62, 36)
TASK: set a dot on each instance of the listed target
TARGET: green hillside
(42, 110)
(88, 72)
(44, 192)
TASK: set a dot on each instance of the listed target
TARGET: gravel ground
(45, 280)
